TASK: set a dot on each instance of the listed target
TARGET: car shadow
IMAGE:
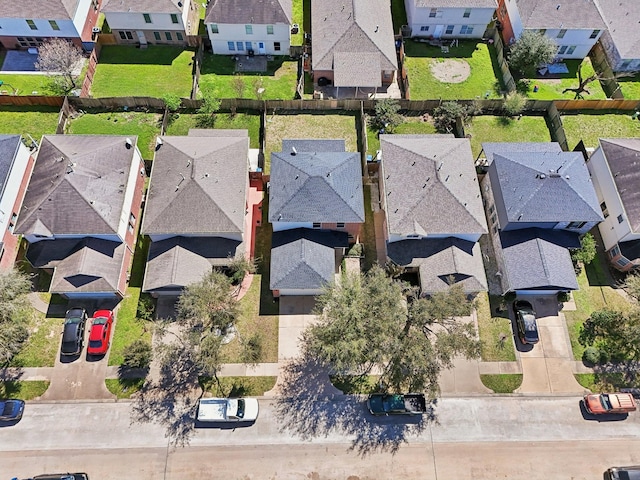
(9, 423)
(606, 417)
(69, 358)
(223, 425)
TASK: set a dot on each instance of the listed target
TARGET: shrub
(172, 101)
(514, 103)
(386, 117)
(146, 307)
(564, 297)
(591, 356)
(138, 355)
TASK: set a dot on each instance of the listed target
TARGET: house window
(157, 36)
(494, 219)
(248, 45)
(562, 49)
(129, 35)
(95, 3)
(125, 35)
(576, 224)
(623, 262)
(122, 35)
(571, 49)
(174, 18)
(432, 12)
(248, 29)
(449, 30)
(561, 33)
(240, 46)
(495, 229)
(54, 24)
(466, 30)
(147, 18)
(269, 29)
(168, 35)
(179, 36)
(231, 46)
(625, 64)
(424, 28)
(594, 34)
(316, 225)
(620, 218)
(276, 46)
(467, 13)
(340, 225)
(214, 28)
(32, 24)
(605, 210)
(130, 228)
(542, 31)
(614, 252)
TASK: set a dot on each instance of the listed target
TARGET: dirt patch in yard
(450, 70)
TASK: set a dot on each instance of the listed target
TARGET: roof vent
(129, 143)
(558, 7)
(542, 175)
(377, 28)
(294, 152)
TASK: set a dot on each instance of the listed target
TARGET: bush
(138, 355)
(146, 307)
(386, 117)
(514, 103)
(172, 101)
(591, 356)
(356, 250)
(238, 269)
(564, 297)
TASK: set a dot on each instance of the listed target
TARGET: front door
(141, 38)
(437, 33)
(261, 50)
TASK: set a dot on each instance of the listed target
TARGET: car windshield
(7, 408)
(100, 321)
(529, 323)
(72, 320)
(95, 343)
(604, 400)
(240, 408)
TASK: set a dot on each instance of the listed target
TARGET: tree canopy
(62, 60)
(531, 50)
(587, 251)
(14, 313)
(370, 322)
(615, 333)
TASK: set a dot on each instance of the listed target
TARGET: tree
(531, 50)
(583, 82)
(446, 115)
(370, 321)
(137, 355)
(587, 251)
(514, 103)
(386, 118)
(632, 285)
(62, 60)
(15, 313)
(208, 109)
(616, 333)
(238, 85)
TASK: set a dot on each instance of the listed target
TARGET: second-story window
(432, 12)
(174, 18)
(269, 29)
(54, 24)
(594, 34)
(32, 25)
(214, 28)
(147, 18)
(467, 13)
(561, 33)
(248, 29)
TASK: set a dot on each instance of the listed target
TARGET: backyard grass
(262, 252)
(165, 70)
(180, 124)
(481, 83)
(249, 323)
(297, 16)
(495, 331)
(35, 121)
(124, 388)
(238, 386)
(589, 128)
(27, 84)
(145, 125)
(42, 347)
(217, 74)
(504, 383)
(488, 128)
(630, 87)
(398, 15)
(24, 390)
(411, 125)
(552, 88)
(331, 126)
(605, 381)
(356, 385)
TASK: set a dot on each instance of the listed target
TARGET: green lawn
(411, 125)
(27, 84)
(589, 128)
(356, 385)
(489, 128)
(630, 87)
(505, 383)
(368, 232)
(124, 388)
(398, 14)
(217, 74)
(550, 89)
(297, 17)
(126, 71)
(145, 125)
(495, 332)
(44, 340)
(238, 386)
(182, 122)
(262, 252)
(24, 390)
(481, 82)
(35, 121)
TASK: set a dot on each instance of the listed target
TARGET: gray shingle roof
(315, 186)
(256, 12)
(47, 9)
(441, 259)
(352, 27)
(455, 3)
(540, 185)
(180, 261)
(78, 185)
(425, 176)
(304, 259)
(8, 148)
(621, 17)
(85, 265)
(208, 172)
(572, 14)
(537, 259)
(623, 157)
(143, 6)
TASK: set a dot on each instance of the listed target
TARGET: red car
(100, 335)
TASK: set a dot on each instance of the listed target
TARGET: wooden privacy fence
(607, 78)
(507, 78)
(85, 91)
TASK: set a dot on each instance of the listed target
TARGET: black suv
(526, 322)
(73, 332)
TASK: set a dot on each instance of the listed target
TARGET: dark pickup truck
(397, 404)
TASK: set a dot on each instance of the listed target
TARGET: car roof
(75, 312)
(70, 332)
(102, 313)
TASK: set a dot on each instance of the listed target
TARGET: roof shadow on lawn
(226, 65)
(464, 49)
(130, 55)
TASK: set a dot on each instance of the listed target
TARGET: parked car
(100, 334)
(73, 332)
(526, 322)
(623, 473)
(396, 404)
(600, 403)
(227, 410)
(61, 476)
(11, 410)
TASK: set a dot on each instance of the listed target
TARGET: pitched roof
(621, 18)
(198, 184)
(81, 265)
(144, 6)
(572, 14)
(78, 185)
(455, 3)
(623, 158)
(9, 145)
(304, 259)
(539, 259)
(181, 261)
(48, 9)
(539, 183)
(315, 186)
(256, 12)
(440, 260)
(426, 175)
(352, 27)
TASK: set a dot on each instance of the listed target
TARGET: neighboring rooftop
(621, 17)
(255, 12)
(455, 3)
(9, 145)
(143, 6)
(48, 9)
(560, 14)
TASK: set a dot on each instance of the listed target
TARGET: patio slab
(20, 61)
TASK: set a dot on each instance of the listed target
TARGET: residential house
(433, 209)
(80, 212)
(575, 25)
(614, 171)
(353, 43)
(16, 164)
(152, 21)
(449, 19)
(28, 23)
(538, 200)
(196, 207)
(316, 208)
(621, 39)
(261, 27)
